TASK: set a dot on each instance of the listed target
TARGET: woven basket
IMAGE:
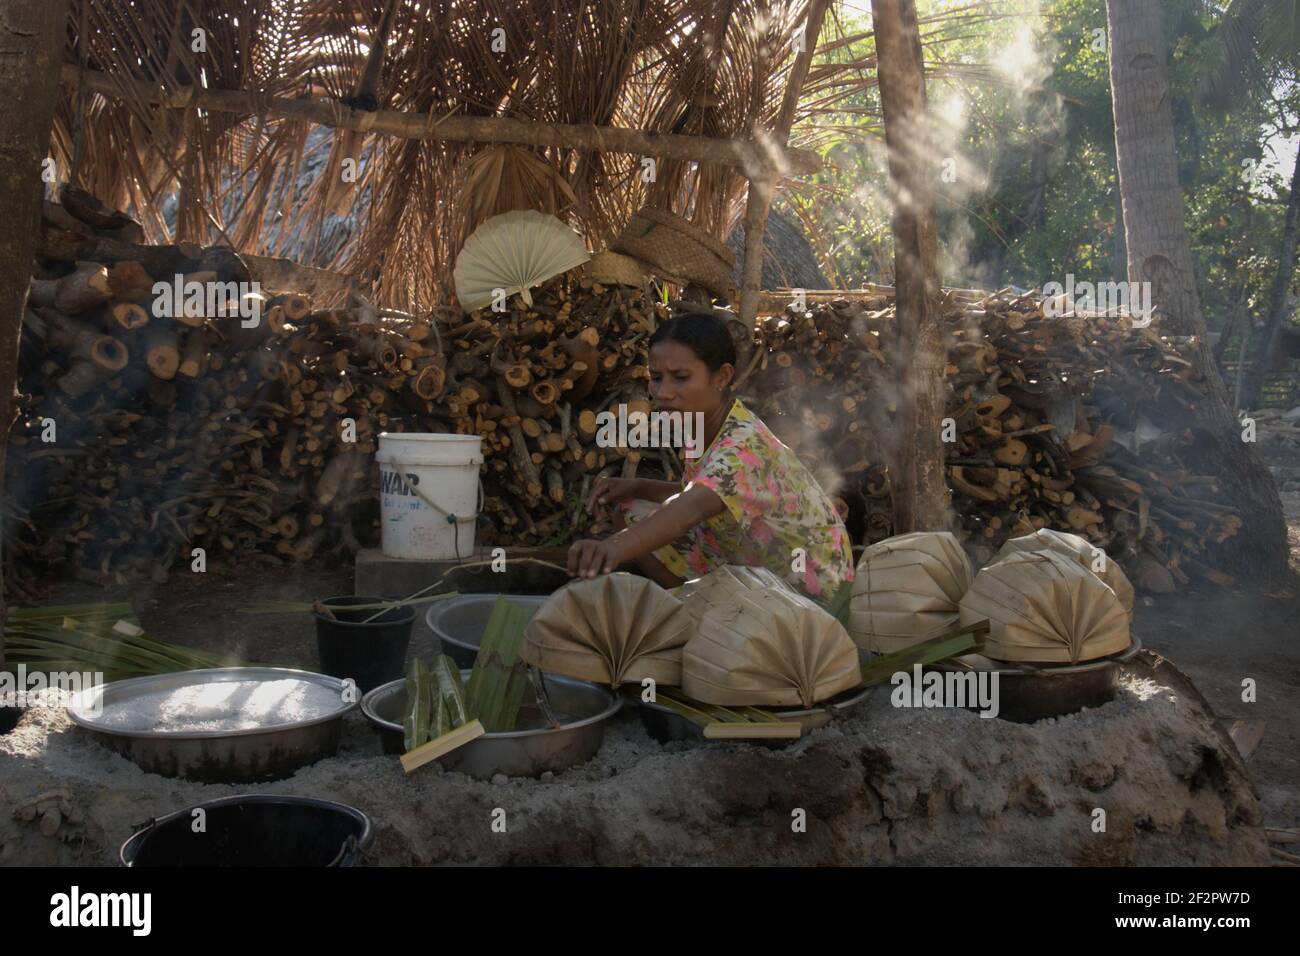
(610, 268)
(678, 251)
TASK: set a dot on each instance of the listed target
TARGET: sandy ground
(942, 787)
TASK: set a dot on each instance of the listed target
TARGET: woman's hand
(611, 491)
(588, 558)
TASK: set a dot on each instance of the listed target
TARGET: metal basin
(664, 724)
(1029, 692)
(531, 750)
(236, 756)
(459, 622)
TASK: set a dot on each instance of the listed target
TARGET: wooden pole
(32, 34)
(919, 484)
(749, 156)
(763, 184)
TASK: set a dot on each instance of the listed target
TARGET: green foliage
(1022, 105)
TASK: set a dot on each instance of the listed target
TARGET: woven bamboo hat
(766, 647)
(613, 629)
(612, 268)
(678, 250)
(1044, 606)
(907, 589)
(1081, 550)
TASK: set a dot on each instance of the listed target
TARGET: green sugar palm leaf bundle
(614, 629)
(496, 687)
(435, 701)
(100, 638)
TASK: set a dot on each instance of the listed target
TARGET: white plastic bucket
(423, 479)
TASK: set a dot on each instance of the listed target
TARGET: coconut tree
(1159, 252)
(31, 37)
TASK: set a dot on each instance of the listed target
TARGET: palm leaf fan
(504, 178)
(614, 629)
(514, 252)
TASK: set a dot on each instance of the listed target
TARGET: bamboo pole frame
(768, 158)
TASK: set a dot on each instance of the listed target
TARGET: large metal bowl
(664, 724)
(459, 622)
(582, 707)
(1030, 692)
(237, 756)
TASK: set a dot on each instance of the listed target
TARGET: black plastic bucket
(252, 830)
(371, 654)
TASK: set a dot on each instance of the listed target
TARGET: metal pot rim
(615, 704)
(1051, 669)
(433, 616)
(234, 673)
(860, 694)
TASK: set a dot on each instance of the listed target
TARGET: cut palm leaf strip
(753, 730)
(443, 745)
(708, 715)
(415, 721)
(495, 691)
(958, 640)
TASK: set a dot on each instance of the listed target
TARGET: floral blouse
(774, 506)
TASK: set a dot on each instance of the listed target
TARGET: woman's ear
(724, 376)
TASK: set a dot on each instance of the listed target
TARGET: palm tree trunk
(32, 34)
(1253, 382)
(920, 490)
(1159, 253)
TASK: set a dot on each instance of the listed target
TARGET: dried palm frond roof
(393, 210)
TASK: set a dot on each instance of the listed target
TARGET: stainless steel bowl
(459, 622)
(582, 707)
(664, 724)
(238, 756)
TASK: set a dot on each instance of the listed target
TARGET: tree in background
(1158, 252)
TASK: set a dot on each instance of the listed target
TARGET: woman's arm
(658, 491)
(678, 515)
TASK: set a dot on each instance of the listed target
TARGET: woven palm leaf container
(613, 629)
(1043, 606)
(613, 268)
(907, 589)
(678, 250)
(767, 648)
(1081, 550)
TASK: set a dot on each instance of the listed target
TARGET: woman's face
(681, 382)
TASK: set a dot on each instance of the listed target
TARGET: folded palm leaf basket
(1045, 607)
(613, 629)
(760, 643)
(1081, 550)
(698, 594)
(907, 589)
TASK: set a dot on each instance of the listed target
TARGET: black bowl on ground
(252, 830)
(371, 652)
(1030, 692)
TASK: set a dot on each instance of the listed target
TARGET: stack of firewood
(171, 434)
(1078, 423)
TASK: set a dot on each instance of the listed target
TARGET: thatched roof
(269, 184)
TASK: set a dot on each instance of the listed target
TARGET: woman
(746, 500)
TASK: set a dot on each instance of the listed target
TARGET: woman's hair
(704, 333)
